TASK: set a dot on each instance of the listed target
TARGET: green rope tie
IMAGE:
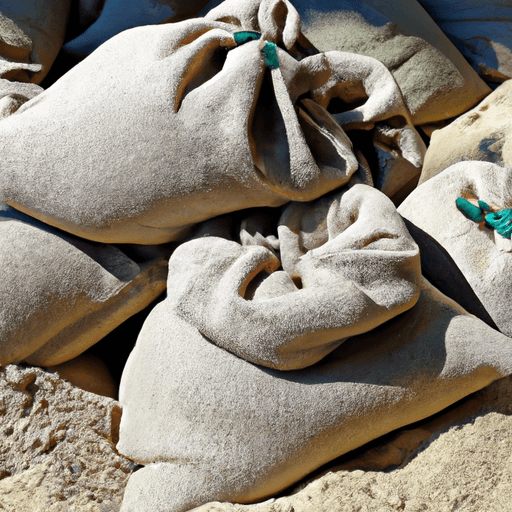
(269, 50)
(484, 206)
(245, 36)
(270, 54)
(501, 221)
(475, 213)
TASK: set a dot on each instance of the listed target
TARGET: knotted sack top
(166, 126)
(340, 266)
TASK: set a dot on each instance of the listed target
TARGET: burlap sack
(453, 246)
(60, 294)
(206, 403)
(483, 133)
(165, 126)
(14, 94)
(481, 31)
(435, 79)
(210, 426)
(31, 35)
(348, 265)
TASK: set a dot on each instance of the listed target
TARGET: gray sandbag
(481, 31)
(348, 265)
(475, 250)
(166, 126)
(60, 294)
(210, 426)
(31, 35)
(435, 79)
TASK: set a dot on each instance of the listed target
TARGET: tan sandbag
(15, 94)
(436, 81)
(348, 265)
(478, 252)
(31, 35)
(166, 126)
(483, 133)
(481, 31)
(60, 294)
(210, 426)
(395, 174)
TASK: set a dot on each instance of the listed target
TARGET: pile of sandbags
(251, 162)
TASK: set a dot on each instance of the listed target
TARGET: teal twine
(269, 50)
(245, 36)
(484, 206)
(501, 221)
(270, 54)
(469, 210)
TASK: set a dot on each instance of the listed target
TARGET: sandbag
(14, 94)
(482, 133)
(481, 31)
(31, 35)
(113, 16)
(452, 244)
(435, 79)
(210, 426)
(348, 265)
(60, 294)
(336, 27)
(166, 126)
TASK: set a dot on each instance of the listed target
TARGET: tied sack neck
(298, 147)
(269, 49)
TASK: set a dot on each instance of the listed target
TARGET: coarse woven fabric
(210, 426)
(31, 35)
(60, 294)
(435, 79)
(348, 265)
(474, 252)
(14, 94)
(482, 133)
(481, 31)
(166, 126)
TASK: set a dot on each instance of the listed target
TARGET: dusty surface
(483, 133)
(57, 446)
(459, 460)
